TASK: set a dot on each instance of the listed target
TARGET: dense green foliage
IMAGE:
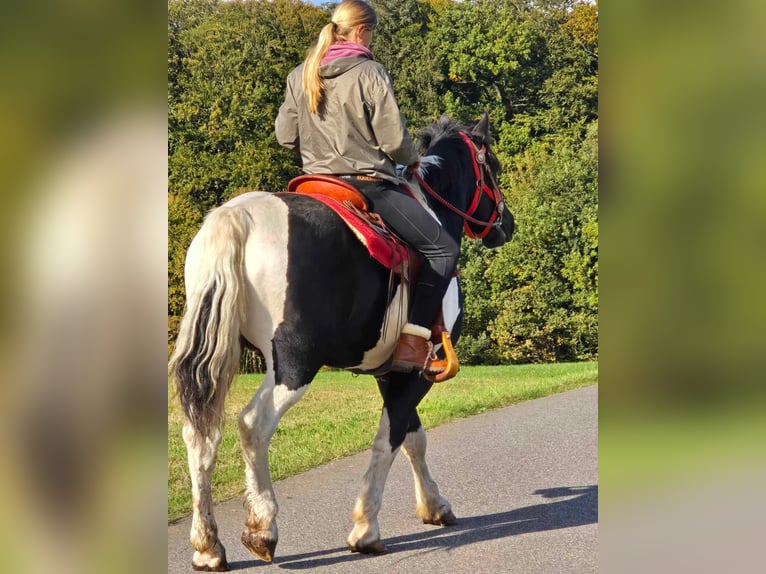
(532, 64)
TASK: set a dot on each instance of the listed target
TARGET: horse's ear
(481, 129)
(444, 121)
(424, 141)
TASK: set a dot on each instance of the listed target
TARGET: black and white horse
(283, 273)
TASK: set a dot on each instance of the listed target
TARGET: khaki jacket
(359, 129)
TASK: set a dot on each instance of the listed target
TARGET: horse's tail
(207, 350)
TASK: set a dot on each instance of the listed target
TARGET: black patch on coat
(336, 295)
(402, 392)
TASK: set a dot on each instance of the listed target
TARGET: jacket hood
(340, 66)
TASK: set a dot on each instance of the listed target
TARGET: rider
(340, 115)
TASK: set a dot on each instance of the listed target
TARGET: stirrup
(451, 365)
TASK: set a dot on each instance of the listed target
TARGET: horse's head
(463, 172)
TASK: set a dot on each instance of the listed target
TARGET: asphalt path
(522, 481)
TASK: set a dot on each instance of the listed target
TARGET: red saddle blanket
(381, 247)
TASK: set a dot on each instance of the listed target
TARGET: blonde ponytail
(313, 86)
(347, 15)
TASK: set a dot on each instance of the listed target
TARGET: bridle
(480, 168)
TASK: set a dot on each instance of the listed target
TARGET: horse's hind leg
(432, 507)
(209, 554)
(257, 423)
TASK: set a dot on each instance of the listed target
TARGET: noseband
(480, 168)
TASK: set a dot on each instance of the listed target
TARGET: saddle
(381, 243)
(329, 186)
(345, 200)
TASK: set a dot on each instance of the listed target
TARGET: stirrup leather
(450, 363)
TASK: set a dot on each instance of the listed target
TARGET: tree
(491, 56)
(545, 282)
(227, 91)
(227, 64)
(475, 345)
(402, 43)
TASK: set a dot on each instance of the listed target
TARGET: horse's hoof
(261, 546)
(447, 519)
(376, 548)
(222, 567)
(212, 561)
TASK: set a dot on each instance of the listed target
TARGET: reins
(479, 159)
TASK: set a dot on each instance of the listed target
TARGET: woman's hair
(347, 16)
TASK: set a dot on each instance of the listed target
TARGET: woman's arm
(286, 124)
(388, 124)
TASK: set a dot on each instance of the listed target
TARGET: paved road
(522, 481)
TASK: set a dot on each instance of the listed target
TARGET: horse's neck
(440, 173)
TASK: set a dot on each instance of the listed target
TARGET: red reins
(479, 159)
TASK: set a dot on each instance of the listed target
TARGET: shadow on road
(578, 507)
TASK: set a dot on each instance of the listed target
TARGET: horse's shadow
(580, 507)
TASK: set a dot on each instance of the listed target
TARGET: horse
(283, 274)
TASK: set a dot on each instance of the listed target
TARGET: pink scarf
(345, 50)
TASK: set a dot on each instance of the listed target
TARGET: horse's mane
(444, 129)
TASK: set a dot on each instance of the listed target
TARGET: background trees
(532, 64)
(227, 62)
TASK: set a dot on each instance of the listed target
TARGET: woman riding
(341, 116)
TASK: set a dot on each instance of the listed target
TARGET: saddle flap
(327, 185)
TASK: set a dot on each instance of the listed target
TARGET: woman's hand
(412, 168)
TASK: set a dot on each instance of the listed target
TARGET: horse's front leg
(209, 553)
(401, 393)
(257, 423)
(432, 507)
(365, 537)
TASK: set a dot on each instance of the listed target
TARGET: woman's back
(358, 128)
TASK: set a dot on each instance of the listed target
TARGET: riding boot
(415, 352)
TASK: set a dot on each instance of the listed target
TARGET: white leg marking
(431, 506)
(257, 423)
(366, 530)
(202, 454)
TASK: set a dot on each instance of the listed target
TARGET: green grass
(339, 416)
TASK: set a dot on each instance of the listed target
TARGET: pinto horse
(282, 273)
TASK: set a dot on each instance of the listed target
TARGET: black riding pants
(407, 218)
